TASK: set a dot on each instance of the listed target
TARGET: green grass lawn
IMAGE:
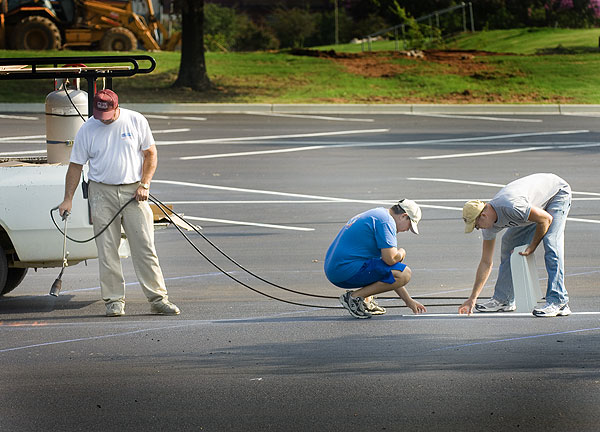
(531, 41)
(569, 75)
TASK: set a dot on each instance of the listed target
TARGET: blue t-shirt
(360, 240)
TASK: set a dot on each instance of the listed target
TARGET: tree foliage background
(228, 29)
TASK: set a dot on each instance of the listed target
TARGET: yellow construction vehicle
(106, 25)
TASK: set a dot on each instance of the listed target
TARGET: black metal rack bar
(90, 73)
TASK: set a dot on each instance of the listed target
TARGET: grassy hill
(516, 41)
(531, 41)
(535, 66)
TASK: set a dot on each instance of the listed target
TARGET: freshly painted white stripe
(14, 117)
(487, 153)
(191, 118)
(468, 117)
(26, 137)
(231, 222)
(164, 131)
(269, 137)
(314, 117)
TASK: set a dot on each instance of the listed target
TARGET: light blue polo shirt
(360, 240)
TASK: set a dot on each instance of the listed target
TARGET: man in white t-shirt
(534, 210)
(119, 147)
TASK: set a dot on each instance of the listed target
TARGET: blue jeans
(554, 247)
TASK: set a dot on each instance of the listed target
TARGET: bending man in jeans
(365, 255)
(534, 209)
(120, 149)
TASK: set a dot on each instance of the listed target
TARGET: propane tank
(66, 111)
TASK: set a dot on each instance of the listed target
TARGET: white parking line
(163, 131)
(164, 117)
(14, 117)
(469, 117)
(477, 183)
(443, 180)
(270, 137)
(232, 222)
(519, 150)
(252, 153)
(486, 153)
(465, 141)
(26, 137)
(313, 117)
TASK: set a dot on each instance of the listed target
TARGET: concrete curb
(193, 108)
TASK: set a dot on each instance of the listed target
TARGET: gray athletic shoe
(115, 309)
(493, 305)
(164, 307)
(552, 310)
(354, 305)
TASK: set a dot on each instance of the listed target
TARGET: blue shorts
(374, 270)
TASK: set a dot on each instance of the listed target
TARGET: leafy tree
(226, 29)
(292, 26)
(253, 37)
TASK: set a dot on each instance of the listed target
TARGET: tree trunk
(192, 67)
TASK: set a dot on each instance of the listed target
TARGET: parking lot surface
(272, 191)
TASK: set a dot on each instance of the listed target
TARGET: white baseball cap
(413, 211)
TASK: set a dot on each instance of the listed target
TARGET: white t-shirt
(114, 151)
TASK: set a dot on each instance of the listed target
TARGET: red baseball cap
(105, 103)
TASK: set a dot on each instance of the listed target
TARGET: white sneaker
(493, 305)
(115, 309)
(552, 310)
(164, 307)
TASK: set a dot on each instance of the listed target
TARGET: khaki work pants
(137, 221)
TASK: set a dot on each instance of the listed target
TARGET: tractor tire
(118, 39)
(36, 33)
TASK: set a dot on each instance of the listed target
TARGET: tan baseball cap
(413, 211)
(471, 211)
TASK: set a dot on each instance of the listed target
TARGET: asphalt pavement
(272, 190)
